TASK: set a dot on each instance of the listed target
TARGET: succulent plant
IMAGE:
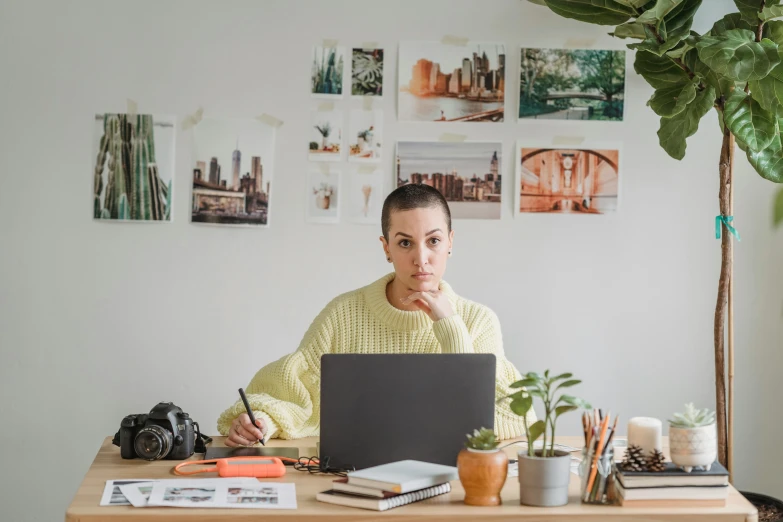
(692, 418)
(483, 439)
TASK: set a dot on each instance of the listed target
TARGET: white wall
(99, 320)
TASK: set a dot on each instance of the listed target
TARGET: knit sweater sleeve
(489, 340)
(286, 393)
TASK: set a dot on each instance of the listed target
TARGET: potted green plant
(482, 468)
(693, 438)
(544, 473)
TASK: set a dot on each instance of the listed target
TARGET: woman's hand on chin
(432, 302)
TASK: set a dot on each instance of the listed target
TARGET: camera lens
(153, 443)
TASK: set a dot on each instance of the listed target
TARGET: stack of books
(390, 485)
(673, 487)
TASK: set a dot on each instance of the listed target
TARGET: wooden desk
(109, 465)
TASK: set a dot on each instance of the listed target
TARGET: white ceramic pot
(693, 447)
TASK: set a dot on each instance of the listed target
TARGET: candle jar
(597, 484)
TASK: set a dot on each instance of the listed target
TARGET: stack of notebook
(673, 487)
(390, 485)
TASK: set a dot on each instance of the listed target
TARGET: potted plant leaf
(693, 438)
(544, 473)
(482, 468)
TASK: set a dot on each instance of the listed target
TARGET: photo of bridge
(566, 84)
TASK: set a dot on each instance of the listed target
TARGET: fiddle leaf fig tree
(735, 68)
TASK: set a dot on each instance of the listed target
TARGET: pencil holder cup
(597, 474)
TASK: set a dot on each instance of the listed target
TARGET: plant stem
(725, 169)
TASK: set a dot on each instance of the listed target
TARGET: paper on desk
(112, 495)
(138, 493)
(223, 493)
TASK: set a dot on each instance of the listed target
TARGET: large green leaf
(769, 162)
(729, 22)
(658, 12)
(736, 55)
(601, 12)
(674, 27)
(635, 3)
(769, 90)
(749, 122)
(629, 30)
(673, 100)
(659, 71)
(768, 13)
(749, 9)
(722, 85)
(675, 130)
(774, 31)
(777, 212)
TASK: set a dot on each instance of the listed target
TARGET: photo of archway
(571, 84)
(568, 180)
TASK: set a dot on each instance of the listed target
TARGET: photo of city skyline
(232, 172)
(466, 173)
(439, 82)
(568, 181)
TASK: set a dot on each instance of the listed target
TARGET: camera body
(166, 432)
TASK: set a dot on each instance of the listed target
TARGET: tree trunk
(725, 167)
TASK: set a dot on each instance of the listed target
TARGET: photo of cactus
(322, 190)
(326, 72)
(232, 167)
(364, 196)
(567, 181)
(134, 166)
(367, 72)
(365, 131)
(467, 173)
(452, 83)
(326, 136)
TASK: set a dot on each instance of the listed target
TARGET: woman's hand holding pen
(433, 302)
(243, 433)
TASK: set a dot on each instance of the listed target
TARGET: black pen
(250, 413)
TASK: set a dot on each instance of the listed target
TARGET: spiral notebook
(381, 504)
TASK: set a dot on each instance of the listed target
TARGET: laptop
(381, 408)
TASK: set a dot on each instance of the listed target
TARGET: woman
(408, 311)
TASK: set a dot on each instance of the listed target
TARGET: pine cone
(634, 459)
(656, 461)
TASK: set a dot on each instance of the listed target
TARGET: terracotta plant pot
(482, 474)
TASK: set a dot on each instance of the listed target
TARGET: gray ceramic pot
(544, 481)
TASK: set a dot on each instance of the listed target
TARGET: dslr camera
(166, 432)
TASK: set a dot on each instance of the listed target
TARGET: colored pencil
(594, 470)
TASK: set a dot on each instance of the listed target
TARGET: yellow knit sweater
(286, 394)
